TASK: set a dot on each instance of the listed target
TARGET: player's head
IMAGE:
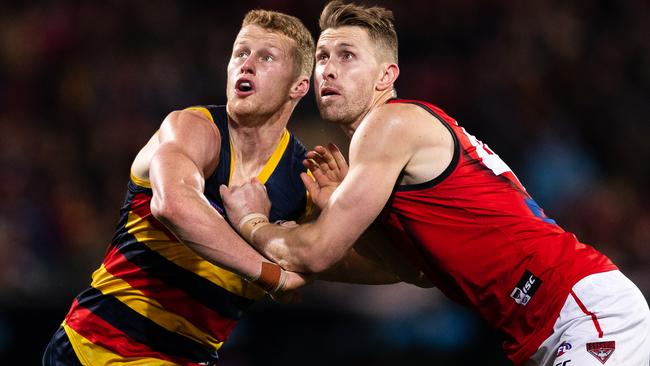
(270, 65)
(356, 60)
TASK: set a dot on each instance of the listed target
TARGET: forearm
(272, 240)
(287, 246)
(355, 268)
(199, 226)
(178, 202)
(376, 247)
(311, 247)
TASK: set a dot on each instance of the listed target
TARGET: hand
(296, 280)
(248, 198)
(287, 297)
(288, 224)
(289, 293)
(328, 166)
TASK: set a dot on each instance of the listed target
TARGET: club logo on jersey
(526, 288)
(564, 347)
(601, 350)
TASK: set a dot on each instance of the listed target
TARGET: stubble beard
(253, 110)
(340, 114)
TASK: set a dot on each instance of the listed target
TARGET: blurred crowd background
(560, 89)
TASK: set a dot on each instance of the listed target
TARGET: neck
(378, 100)
(254, 138)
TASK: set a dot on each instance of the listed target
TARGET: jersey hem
(532, 345)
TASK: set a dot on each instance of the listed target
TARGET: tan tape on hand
(250, 223)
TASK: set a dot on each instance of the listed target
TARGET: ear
(300, 88)
(388, 77)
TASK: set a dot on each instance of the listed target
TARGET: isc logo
(525, 289)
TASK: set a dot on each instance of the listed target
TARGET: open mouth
(244, 86)
(326, 92)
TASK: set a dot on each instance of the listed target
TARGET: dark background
(560, 89)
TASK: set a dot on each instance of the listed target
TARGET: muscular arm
(187, 152)
(358, 268)
(375, 246)
(378, 152)
(362, 264)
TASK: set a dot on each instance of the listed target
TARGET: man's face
(345, 74)
(261, 72)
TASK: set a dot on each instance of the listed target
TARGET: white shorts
(604, 321)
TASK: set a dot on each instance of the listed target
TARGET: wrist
(271, 278)
(250, 223)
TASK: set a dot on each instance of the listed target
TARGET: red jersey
(484, 242)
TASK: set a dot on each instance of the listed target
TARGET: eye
(347, 56)
(267, 58)
(241, 54)
(321, 57)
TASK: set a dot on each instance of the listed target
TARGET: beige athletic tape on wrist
(272, 277)
(250, 223)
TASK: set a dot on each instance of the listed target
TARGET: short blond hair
(291, 27)
(377, 21)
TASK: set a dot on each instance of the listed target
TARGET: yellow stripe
(270, 164)
(203, 110)
(149, 308)
(87, 351)
(309, 205)
(273, 161)
(185, 257)
(140, 181)
(232, 164)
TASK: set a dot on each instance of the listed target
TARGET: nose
(329, 70)
(248, 67)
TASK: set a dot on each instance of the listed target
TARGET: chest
(283, 185)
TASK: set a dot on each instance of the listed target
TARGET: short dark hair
(377, 21)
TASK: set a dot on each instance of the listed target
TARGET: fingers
(224, 191)
(287, 223)
(330, 161)
(287, 297)
(322, 177)
(326, 158)
(322, 157)
(296, 280)
(338, 158)
(309, 164)
(312, 187)
(256, 183)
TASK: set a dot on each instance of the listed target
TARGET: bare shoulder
(190, 130)
(388, 125)
(190, 119)
(401, 122)
(404, 117)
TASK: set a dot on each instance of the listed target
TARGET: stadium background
(559, 89)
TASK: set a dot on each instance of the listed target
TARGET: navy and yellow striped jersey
(153, 299)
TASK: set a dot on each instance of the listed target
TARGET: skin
(258, 120)
(390, 144)
(185, 151)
